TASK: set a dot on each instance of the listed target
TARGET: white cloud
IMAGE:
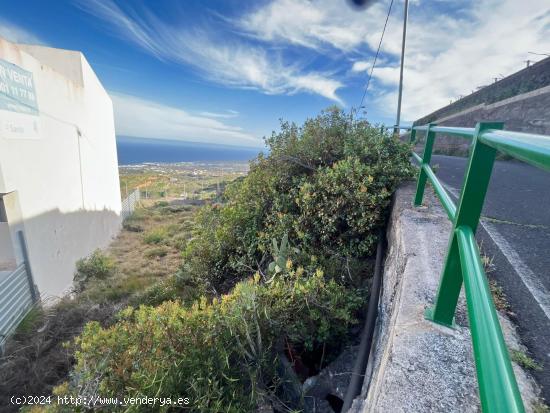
(227, 61)
(448, 54)
(318, 24)
(313, 24)
(452, 47)
(228, 114)
(360, 66)
(147, 119)
(496, 40)
(16, 34)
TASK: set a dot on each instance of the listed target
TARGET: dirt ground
(39, 356)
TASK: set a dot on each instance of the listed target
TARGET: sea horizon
(132, 151)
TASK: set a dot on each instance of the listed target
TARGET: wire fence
(129, 204)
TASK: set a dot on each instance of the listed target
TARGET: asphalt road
(515, 233)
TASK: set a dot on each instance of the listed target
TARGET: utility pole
(405, 17)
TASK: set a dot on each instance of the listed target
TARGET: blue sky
(226, 71)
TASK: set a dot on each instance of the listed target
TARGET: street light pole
(405, 18)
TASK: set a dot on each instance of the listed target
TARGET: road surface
(515, 233)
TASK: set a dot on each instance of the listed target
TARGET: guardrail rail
(498, 389)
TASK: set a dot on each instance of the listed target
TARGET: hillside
(529, 79)
(270, 288)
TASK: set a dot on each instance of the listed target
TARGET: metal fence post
(474, 189)
(413, 136)
(426, 158)
(25, 253)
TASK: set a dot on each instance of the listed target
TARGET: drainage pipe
(358, 373)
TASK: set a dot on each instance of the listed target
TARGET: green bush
(341, 208)
(97, 266)
(155, 236)
(223, 355)
(326, 184)
(165, 290)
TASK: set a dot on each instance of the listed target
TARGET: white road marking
(526, 275)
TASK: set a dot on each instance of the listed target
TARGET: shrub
(342, 208)
(326, 184)
(223, 355)
(97, 266)
(155, 236)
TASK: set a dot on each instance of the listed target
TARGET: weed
(499, 298)
(486, 260)
(522, 359)
(97, 266)
(540, 407)
(30, 321)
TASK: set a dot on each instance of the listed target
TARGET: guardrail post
(426, 158)
(474, 189)
(413, 136)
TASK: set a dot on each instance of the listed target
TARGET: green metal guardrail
(498, 389)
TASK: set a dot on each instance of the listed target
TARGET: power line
(376, 56)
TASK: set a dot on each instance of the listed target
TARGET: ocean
(133, 151)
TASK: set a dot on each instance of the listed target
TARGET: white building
(58, 166)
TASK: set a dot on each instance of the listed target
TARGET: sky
(227, 71)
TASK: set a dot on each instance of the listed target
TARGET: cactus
(280, 255)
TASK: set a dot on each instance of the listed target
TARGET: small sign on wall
(19, 112)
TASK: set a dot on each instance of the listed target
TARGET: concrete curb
(417, 365)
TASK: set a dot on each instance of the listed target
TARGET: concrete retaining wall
(527, 80)
(521, 101)
(528, 112)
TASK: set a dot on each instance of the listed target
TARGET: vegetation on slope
(280, 265)
(35, 358)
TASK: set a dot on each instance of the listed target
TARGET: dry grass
(139, 261)
(36, 358)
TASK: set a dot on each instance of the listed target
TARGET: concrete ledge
(416, 365)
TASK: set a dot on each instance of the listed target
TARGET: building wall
(62, 178)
